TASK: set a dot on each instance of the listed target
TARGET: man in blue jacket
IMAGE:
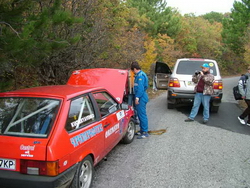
(141, 98)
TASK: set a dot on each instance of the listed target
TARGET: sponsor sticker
(112, 130)
(27, 154)
(27, 150)
(211, 64)
(122, 71)
(82, 120)
(120, 115)
(83, 137)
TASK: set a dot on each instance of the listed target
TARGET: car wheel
(130, 134)
(170, 106)
(214, 109)
(84, 174)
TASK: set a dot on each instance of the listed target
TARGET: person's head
(135, 67)
(205, 67)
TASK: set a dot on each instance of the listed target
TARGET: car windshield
(189, 67)
(27, 116)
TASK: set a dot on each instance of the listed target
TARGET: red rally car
(53, 136)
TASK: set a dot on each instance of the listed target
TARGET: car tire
(171, 106)
(130, 133)
(214, 109)
(84, 174)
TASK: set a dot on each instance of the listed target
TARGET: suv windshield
(27, 116)
(189, 67)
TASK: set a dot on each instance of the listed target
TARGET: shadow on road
(226, 118)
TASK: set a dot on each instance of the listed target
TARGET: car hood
(114, 80)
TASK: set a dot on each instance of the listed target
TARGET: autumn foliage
(42, 42)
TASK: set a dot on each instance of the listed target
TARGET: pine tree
(235, 27)
(161, 18)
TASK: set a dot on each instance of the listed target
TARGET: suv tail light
(218, 85)
(174, 82)
(39, 168)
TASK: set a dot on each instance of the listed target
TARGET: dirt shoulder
(153, 94)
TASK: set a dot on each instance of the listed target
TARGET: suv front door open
(161, 75)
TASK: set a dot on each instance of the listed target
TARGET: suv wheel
(171, 106)
(214, 109)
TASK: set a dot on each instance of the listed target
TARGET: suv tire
(171, 106)
(214, 109)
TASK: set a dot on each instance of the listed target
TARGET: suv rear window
(189, 67)
(27, 116)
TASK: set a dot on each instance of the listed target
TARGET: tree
(247, 47)
(149, 56)
(200, 38)
(234, 28)
(213, 17)
(166, 50)
(161, 19)
(38, 32)
(46, 40)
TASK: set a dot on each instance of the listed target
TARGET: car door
(85, 129)
(162, 73)
(110, 115)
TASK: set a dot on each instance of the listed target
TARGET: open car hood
(114, 80)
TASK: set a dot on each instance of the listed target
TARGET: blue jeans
(198, 99)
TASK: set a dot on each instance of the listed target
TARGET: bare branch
(11, 28)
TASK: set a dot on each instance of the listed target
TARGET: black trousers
(246, 111)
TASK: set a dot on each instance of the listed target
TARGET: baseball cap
(205, 65)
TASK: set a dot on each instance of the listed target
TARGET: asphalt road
(188, 155)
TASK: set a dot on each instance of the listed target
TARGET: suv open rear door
(161, 75)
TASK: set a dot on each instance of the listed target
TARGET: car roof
(195, 59)
(52, 91)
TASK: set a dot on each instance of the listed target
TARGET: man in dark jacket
(244, 88)
(204, 89)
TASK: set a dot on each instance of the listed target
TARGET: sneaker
(143, 135)
(205, 121)
(188, 120)
(138, 133)
(242, 121)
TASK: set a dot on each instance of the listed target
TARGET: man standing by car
(204, 89)
(141, 98)
(244, 87)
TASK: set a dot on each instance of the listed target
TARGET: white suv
(179, 82)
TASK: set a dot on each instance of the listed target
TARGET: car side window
(81, 113)
(106, 103)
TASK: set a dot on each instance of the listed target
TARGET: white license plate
(7, 164)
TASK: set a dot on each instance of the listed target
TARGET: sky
(200, 7)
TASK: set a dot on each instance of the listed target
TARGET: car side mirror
(124, 106)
